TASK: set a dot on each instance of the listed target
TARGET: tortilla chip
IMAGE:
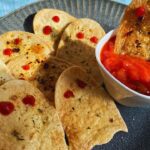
(5, 75)
(45, 18)
(28, 52)
(133, 34)
(29, 127)
(16, 67)
(89, 116)
(48, 74)
(23, 43)
(81, 52)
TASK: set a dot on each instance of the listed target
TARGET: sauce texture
(132, 71)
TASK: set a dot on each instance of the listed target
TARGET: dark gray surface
(108, 14)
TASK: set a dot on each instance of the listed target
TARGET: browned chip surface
(48, 74)
(133, 34)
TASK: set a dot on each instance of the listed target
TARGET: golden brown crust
(133, 34)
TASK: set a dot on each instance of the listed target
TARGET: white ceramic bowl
(116, 89)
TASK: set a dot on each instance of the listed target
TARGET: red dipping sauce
(132, 71)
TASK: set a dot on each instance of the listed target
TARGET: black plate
(108, 14)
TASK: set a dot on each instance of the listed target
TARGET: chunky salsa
(132, 71)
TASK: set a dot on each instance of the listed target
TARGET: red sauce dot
(17, 41)
(47, 30)
(80, 35)
(29, 100)
(56, 19)
(6, 108)
(81, 83)
(68, 94)
(7, 51)
(94, 39)
(140, 11)
(26, 67)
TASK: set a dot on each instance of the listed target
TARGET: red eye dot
(140, 11)
(68, 94)
(6, 108)
(56, 19)
(29, 100)
(80, 35)
(17, 41)
(26, 67)
(47, 30)
(94, 39)
(7, 51)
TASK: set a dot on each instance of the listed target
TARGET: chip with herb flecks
(77, 45)
(88, 114)
(48, 74)
(133, 34)
(27, 121)
(23, 53)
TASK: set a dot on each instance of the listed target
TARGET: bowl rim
(98, 50)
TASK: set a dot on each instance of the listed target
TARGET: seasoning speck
(16, 50)
(17, 135)
(46, 66)
(111, 120)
